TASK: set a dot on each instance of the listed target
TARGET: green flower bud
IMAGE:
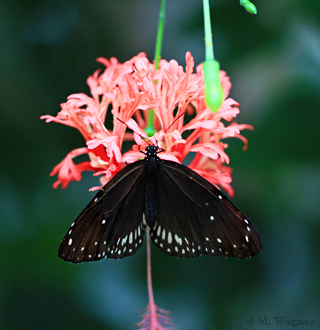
(249, 6)
(213, 88)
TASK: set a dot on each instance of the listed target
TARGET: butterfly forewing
(195, 218)
(111, 224)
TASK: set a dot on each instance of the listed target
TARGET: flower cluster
(130, 91)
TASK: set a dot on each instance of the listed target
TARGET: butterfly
(187, 216)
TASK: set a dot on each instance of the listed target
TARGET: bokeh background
(47, 50)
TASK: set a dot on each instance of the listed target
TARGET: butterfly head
(152, 150)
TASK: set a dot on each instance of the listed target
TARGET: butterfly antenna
(143, 138)
(121, 121)
(166, 130)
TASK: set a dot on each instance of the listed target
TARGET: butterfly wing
(111, 224)
(193, 217)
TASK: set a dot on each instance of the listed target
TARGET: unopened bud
(249, 6)
(213, 88)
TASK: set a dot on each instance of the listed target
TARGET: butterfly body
(187, 216)
(152, 162)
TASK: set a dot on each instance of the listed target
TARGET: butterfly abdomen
(150, 189)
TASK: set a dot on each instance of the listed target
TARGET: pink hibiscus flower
(130, 90)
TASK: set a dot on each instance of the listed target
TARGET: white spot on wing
(169, 237)
(70, 241)
(219, 240)
(163, 234)
(212, 217)
(247, 238)
(144, 220)
(246, 221)
(103, 222)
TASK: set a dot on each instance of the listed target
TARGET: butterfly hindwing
(111, 224)
(195, 218)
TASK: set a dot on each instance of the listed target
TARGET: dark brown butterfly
(187, 216)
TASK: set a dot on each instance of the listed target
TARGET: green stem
(150, 130)
(162, 17)
(207, 31)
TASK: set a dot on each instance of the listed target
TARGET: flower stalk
(154, 318)
(162, 17)
(150, 130)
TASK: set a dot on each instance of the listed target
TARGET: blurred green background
(48, 49)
